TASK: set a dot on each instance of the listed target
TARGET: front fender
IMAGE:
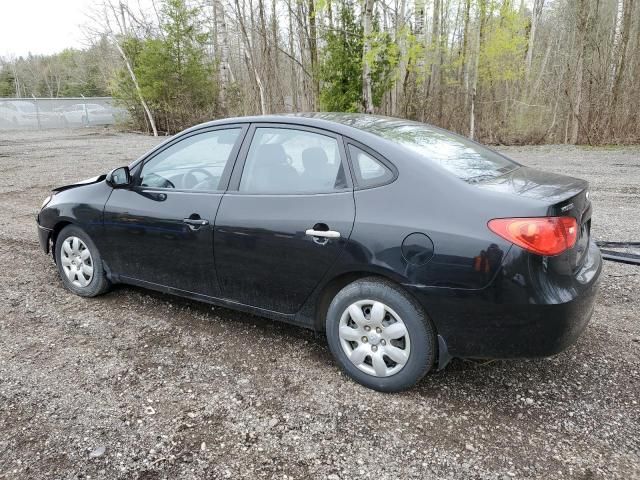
(81, 205)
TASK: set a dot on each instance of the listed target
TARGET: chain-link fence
(42, 113)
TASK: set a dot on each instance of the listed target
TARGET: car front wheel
(79, 263)
(380, 336)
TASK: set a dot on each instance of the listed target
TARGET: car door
(160, 231)
(287, 215)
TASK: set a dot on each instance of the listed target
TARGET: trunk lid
(532, 183)
(563, 196)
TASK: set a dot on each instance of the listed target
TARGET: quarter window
(369, 171)
(195, 163)
(289, 161)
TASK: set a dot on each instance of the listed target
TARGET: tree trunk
(442, 44)
(401, 39)
(263, 104)
(294, 79)
(465, 46)
(622, 57)
(435, 46)
(367, 93)
(582, 18)
(474, 89)
(543, 68)
(222, 43)
(313, 52)
(330, 14)
(250, 60)
(275, 60)
(535, 18)
(265, 57)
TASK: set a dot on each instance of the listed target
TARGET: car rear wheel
(79, 263)
(380, 336)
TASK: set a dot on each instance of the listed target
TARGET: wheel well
(334, 286)
(54, 235)
(338, 283)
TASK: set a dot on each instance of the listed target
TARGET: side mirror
(119, 177)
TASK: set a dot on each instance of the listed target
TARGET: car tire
(384, 360)
(79, 263)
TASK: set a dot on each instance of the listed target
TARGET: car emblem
(374, 339)
(567, 207)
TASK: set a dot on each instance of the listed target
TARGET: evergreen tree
(341, 70)
(7, 86)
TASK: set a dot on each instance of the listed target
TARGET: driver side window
(195, 163)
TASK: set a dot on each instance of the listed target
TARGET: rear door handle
(322, 233)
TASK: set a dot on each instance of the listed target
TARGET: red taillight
(542, 235)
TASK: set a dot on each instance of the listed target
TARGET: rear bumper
(534, 316)
(523, 331)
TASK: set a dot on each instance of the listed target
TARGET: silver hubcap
(374, 338)
(77, 262)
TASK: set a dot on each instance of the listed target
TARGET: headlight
(46, 201)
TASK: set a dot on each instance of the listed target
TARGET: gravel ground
(142, 385)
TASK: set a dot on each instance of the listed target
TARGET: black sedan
(407, 244)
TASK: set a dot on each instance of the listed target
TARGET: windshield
(465, 159)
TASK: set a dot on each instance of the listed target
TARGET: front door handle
(322, 233)
(195, 223)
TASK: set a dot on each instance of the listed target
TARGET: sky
(41, 26)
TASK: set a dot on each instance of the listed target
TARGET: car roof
(349, 124)
(365, 129)
(357, 126)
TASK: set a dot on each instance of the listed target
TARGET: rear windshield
(465, 159)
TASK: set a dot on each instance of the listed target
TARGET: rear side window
(369, 171)
(290, 161)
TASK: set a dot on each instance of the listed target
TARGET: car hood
(88, 181)
(532, 183)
